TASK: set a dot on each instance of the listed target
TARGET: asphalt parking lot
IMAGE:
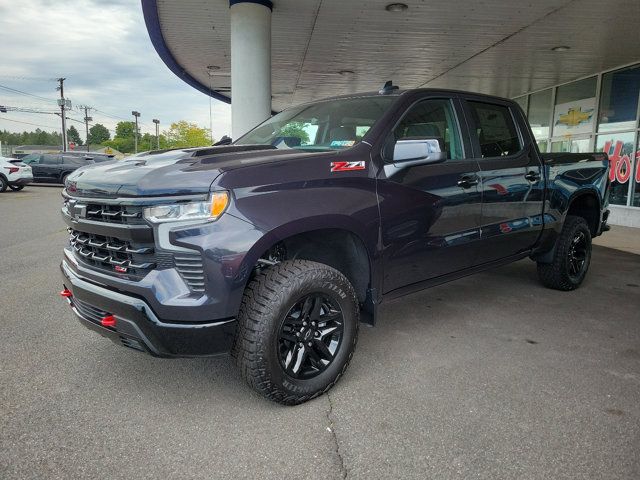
(491, 376)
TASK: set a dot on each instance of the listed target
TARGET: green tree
(125, 129)
(123, 140)
(295, 129)
(73, 135)
(183, 134)
(98, 134)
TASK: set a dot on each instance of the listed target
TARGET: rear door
(510, 178)
(430, 213)
(49, 167)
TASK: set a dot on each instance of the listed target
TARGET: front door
(511, 180)
(430, 213)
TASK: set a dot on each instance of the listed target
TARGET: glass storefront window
(619, 100)
(573, 146)
(542, 145)
(540, 113)
(620, 148)
(635, 193)
(575, 107)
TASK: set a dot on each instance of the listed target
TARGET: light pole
(87, 119)
(62, 104)
(135, 134)
(157, 122)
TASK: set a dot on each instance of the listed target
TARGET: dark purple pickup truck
(276, 247)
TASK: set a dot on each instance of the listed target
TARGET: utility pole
(87, 119)
(61, 102)
(157, 122)
(135, 136)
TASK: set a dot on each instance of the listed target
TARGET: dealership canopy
(271, 55)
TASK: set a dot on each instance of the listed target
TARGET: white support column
(250, 64)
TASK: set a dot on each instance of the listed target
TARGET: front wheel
(16, 188)
(571, 258)
(3, 184)
(297, 330)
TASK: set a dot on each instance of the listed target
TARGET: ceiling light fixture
(561, 48)
(396, 7)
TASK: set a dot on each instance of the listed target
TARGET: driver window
(432, 119)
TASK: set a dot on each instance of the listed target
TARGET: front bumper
(138, 327)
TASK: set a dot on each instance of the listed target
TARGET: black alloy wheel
(297, 330)
(571, 256)
(310, 336)
(577, 254)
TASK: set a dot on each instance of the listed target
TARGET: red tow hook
(66, 293)
(108, 321)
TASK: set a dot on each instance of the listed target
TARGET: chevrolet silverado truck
(276, 247)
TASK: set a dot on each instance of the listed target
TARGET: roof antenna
(388, 88)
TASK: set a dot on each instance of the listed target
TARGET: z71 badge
(347, 166)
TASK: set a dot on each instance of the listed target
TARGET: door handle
(532, 176)
(468, 181)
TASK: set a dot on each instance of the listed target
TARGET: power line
(15, 90)
(28, 123)
(24, 77)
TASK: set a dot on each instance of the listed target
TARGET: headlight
(208, 210)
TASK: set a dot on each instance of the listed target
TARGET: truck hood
(163, 175)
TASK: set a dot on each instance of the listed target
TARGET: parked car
(277, 247)
(56, 167)
(14, 174)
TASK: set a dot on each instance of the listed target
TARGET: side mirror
(418, 151)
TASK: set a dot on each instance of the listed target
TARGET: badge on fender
(347, 166)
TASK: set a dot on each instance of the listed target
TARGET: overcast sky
(103, 49)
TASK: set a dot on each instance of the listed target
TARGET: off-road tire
(3, 184)
(557, 274)
(267, 300)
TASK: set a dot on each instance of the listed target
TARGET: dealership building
(573, 65)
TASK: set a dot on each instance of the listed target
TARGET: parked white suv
(14, 174)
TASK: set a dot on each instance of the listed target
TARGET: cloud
(103, 50)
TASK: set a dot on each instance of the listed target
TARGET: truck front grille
(123, 214)
(135, 260)
(113, 255)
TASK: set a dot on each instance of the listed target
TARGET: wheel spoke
(301, 355)
(290, 355)
(327, 331)
(317, 305)
(322, 348)
(306, 308)
(290, 337)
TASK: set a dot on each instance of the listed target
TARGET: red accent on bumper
(108, 321)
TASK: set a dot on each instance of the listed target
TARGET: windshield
(327, 125)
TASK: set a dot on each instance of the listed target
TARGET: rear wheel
(3, 184)
(63, 179)
(297, 330)
(16, 188)
(571, 259)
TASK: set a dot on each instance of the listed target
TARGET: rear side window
(51, 159)
(496, 130)
(31, 158)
